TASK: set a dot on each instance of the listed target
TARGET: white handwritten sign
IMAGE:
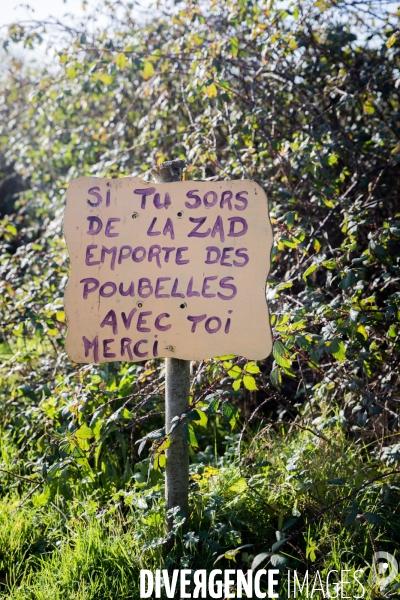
(173, 269)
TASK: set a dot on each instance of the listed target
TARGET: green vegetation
(295, 457)
(284, 488)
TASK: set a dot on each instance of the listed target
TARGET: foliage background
(304, 99)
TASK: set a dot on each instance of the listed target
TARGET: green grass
(329, 494)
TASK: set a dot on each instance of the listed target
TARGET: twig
(28, 496)
(20, 476)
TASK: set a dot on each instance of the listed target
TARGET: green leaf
(84, 432)
(106, 79)
(333, 159)
(286, 242)
(280, 355)
(310, 551)
(369, 107)
(71, 72)
(279, 560)
(148, 70)
(289, 524)
(211, 91)
(156, 435)
(189, 435)
(392, 40)
(276, 377)
(121, 61)
(251, 367)
(348, 280)
(203, 419)
(278, 544)
(126, 414)
(249, 382)
(259, 559)
(330, 264)
(230, 413)
(234, 46)
(239, 486)
(308, 272)
(373, 518)
(213, 406)
(351, 517)
(235, 371)
(290, 218)
(338, 349)
(193, 415)
(236, 384)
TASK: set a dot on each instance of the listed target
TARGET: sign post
(173, 269)
(177, 389)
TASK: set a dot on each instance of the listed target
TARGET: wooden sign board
(174, 269)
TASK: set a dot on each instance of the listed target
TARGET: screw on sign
(173, 269)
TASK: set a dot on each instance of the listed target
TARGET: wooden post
(177, 388)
